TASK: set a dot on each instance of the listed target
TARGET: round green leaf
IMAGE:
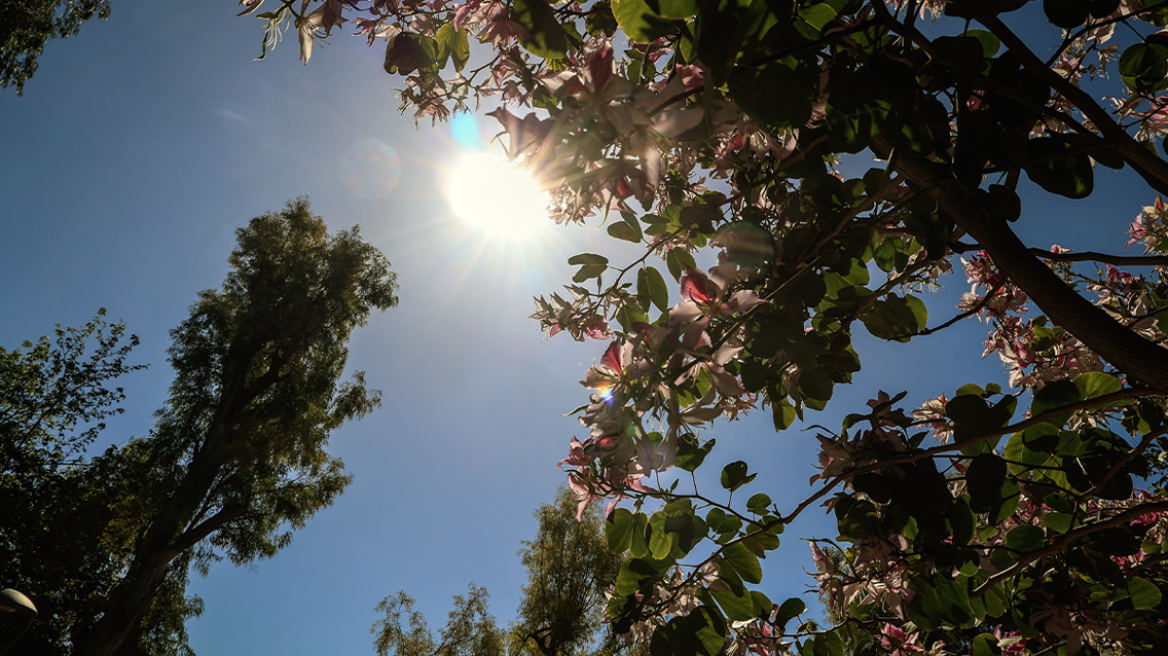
(1142, 65)
(734, 475)
(547, 37)
(1143, 593)
(618, 530)
(1026, 538)
(1055, 169)
(1067, 13)
(744, 562)
(639, 21)
(984, 479)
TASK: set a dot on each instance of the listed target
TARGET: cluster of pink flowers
(577, 317)
(644, 369)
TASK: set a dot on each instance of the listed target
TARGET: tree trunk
(165, 539)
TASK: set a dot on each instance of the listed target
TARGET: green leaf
(1060, 522)
(600, 20)
(691, 453)
(638, 545)
(1095, 384)
(738, 607)
(1143, 67)
(814, 384)
(734, 475)
(747, 245)
(639, 21)
(758, 503)
(744, 562)
(970, 414)
(589, 271)
(660, 540)
(634, 574)
(773, 95)
(1054, 395)
(547, 39)
(984, 479)
(985, 645)
(674, 8)
(1067, 14)
(678, 261)
(1026, 538)
(791, 608)
(708, 629)
(1055, 169)
(1006, 507)
(618, 530)
(783, 414)
(857, 520)
(818, 15)
(406, 53)
(1103, 8)
(854, 113)
(1143, 593)
(651, 287)
(894, 318)
(627, 230)
(452, 43)
(1003, 203)
(588, 258)
(989, 43)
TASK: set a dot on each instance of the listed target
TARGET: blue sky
(140, 146)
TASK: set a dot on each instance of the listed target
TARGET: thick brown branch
(1151, 168)
(1123, 348)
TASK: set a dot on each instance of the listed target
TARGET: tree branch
(1128, 457)
(1065, 541)
(1120, 346)
(1106, 258)
(1089, 256)
(1151, 168)
(192, 536)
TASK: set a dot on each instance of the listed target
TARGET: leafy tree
(470, 631)
(569, 568)
(237, 456)
(26, 25)
(236, 459)
(67, 528)
(747, 129)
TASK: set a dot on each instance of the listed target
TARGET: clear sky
(140, 146)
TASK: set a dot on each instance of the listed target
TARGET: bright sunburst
(495, 196)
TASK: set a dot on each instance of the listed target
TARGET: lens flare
(369, 169)
(464, 129)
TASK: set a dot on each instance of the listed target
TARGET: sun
(490, 193)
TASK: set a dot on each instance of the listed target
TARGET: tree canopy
(236, 459)
(561, 611)
(26, 25)
(1026, 519)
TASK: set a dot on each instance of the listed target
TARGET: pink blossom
(705, 297)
